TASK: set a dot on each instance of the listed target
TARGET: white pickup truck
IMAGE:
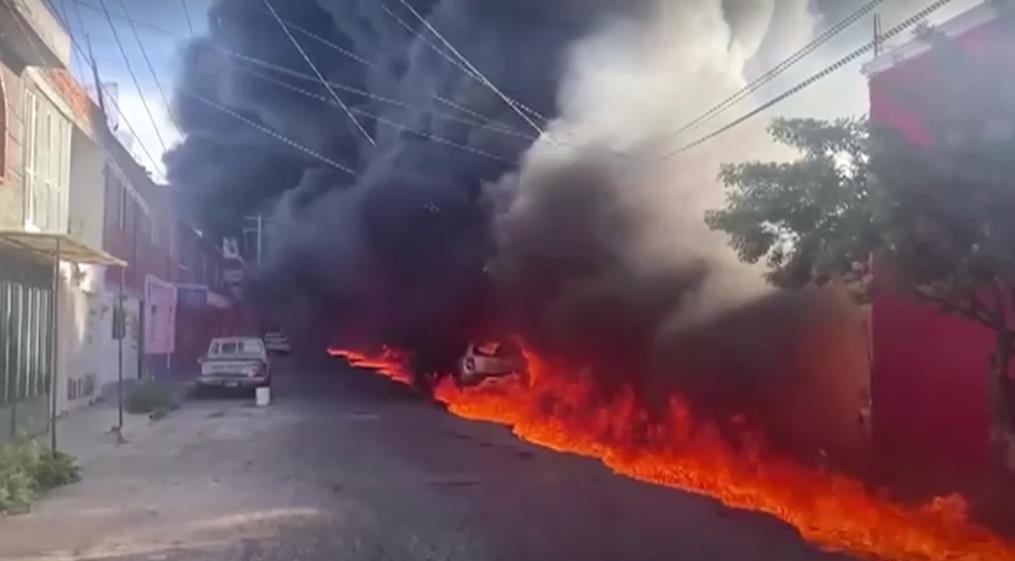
(235, 362)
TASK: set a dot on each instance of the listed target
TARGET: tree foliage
(809, 218)
(934, 202)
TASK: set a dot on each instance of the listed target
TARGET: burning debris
(673, 448)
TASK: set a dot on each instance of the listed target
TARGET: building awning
(51, 246)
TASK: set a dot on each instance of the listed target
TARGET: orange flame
(388, 363)
(830, 510)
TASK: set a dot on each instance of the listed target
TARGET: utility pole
(877, 35)
(255, 225)
(98, 85)
(260, 239)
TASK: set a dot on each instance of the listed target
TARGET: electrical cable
(907, 23)
(133, 76)
(275, 134)
(320, 76)
(186, 14)
(147, 60)
(507, 129)
(486, 81)
(778, 69)
(267, 130)
(101, 87)
(383, 120)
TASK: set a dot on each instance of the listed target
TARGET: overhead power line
(269, 131)
(328, 43)
(99, 87)
(324, 82)
(186, 14)
(486, 81)
(507, 129)
(147, 60)
(778, 69)
(407, 128)
(393, 124)
(485, 121)
(480, 123)
(422, 38)
(451, 60)
(169, 32)
(904, 25)
(219, 107)
(83, 64)
(133, 76)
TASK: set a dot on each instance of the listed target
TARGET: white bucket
(263, 395)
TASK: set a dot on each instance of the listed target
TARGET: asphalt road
(346, 466)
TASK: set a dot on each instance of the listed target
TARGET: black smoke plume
(395, 254)
(463, 219)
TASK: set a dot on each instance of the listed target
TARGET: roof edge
(970, 19)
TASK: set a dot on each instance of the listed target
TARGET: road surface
(346, 466)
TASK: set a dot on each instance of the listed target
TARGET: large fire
(830, 510)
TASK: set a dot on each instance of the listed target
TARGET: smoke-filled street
(507, 280)
(347, 465)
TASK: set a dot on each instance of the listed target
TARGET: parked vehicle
(277, 343)
(491, 360)
(235, 362)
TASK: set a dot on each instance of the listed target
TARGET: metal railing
(26, 316)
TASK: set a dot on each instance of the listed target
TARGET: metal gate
(26, 337)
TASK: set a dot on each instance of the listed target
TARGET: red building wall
(931, 371)
(142, 228)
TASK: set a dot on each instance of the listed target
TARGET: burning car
(235, 362)
(491, 360)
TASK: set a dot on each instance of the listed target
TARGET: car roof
(235, 339)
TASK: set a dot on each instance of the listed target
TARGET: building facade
(84, 233)
(931, 378)
(42, 295)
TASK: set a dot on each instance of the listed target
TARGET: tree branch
(975, 311)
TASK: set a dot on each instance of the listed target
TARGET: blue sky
(164, 30)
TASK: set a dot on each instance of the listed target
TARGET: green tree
(936, 205)
(810, 218)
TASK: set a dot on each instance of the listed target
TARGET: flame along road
(830, 510)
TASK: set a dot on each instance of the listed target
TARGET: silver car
(277, 343)
(235, 362)
(491, 360)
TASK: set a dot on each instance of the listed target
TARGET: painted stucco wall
(12, 194)
(931, 376)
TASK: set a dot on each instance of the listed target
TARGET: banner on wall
(160, 316)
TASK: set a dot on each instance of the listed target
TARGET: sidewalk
(90, 433)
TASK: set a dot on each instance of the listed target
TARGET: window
(237, 347)
(47, 165)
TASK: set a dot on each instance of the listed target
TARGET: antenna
(95, 74)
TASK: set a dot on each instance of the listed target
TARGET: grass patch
(145, 398)
(27, 470)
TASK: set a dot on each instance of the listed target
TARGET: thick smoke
(397, 254)
(464, 219)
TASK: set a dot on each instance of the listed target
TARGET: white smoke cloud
(631, 85)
